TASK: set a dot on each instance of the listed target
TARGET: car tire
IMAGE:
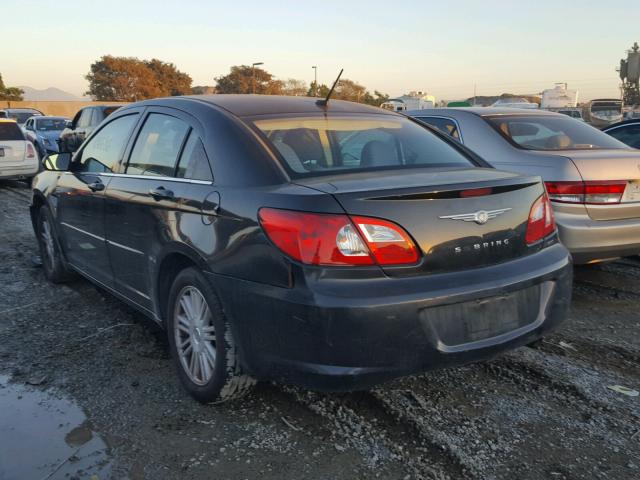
(53, 264)
(201, 342)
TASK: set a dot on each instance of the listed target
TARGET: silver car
(593, 179)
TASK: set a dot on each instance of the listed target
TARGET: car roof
(25, 109)
(631, 121)
(483, 111)
(243, 105)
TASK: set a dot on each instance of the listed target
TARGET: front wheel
(202, 345)
(53, 264)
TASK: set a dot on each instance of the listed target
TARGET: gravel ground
(100, 373)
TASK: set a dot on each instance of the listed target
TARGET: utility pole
(315, 81)
(253, 75)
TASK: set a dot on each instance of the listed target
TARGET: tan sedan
(593, 180)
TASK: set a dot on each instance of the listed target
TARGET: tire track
(377, 435)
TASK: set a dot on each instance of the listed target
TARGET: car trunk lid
(459, 218)
(611, 164)
(12, 152)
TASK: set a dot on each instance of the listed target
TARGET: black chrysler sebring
(332, 245)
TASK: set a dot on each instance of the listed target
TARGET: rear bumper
(19, 171)
(593, 240)
(352, 334)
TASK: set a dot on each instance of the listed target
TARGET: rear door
(143, 202)
(79, 198)
(12, 145)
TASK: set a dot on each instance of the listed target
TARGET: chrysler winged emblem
(480, 217)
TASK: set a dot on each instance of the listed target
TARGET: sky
(444, 48)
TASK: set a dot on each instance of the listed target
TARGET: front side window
(157, 146)
(629, 135)
(194, 163)
(445, 125)
(104, 150)
(538, 132)
(329, 144)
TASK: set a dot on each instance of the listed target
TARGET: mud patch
(45, 436)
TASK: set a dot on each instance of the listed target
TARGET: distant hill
(50, 94)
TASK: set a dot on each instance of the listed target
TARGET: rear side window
(10, 131)
(629, 135)
(104, 150)
(157, 146)
(194, 163)
(329, 144)
(445, 125)
(85, 118)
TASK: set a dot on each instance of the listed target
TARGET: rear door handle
(161, 193)
(96, 186)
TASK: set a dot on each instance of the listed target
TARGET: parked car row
(331, 244)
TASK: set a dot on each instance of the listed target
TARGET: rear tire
(201, 343)
(53, 264)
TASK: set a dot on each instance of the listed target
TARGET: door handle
(161, 193)
(96, 186)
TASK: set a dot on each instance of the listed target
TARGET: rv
(602, 112)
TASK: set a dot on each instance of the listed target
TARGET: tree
(241, 80)
(203, 90)
(128, 79)
(10, 93)
(294, 87)
(170, 80)
(351, 91)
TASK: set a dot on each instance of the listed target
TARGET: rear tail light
(31, 153)
(589, 192)
(326, 239)
(541, 222)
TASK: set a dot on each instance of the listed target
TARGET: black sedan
(627, 132)
(334, 246)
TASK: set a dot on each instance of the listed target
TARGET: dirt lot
(87, 385)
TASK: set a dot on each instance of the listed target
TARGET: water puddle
(46, 437)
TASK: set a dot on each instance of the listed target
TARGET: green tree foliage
(10, 93)
(170, 80)
(241, 80)
(351, 91)
(129, 79)
(294, 87)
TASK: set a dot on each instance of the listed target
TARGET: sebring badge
(480, 217)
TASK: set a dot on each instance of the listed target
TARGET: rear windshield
(534, 132)
(10, 131)
(50, 124)
(317, 145)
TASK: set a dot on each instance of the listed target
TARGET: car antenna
(325, 102)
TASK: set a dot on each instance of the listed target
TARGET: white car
(18, 156)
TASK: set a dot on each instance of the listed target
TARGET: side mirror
(57, 162)
(68, 124)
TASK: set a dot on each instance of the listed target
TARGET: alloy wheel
(195, 335)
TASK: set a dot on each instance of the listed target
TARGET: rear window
(10, 131)
(555, 133)
(317, 145)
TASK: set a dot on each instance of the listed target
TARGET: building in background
(411, 101)
(559, 97)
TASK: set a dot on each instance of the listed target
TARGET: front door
(80, 198)
(143, 201)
